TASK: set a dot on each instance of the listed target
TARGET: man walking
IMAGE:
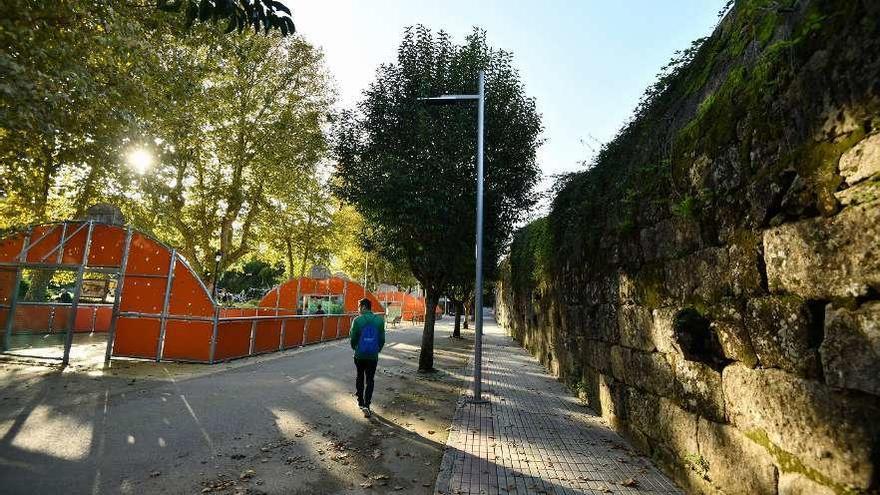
(367, 339)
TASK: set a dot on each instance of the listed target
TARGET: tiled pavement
(533, 437)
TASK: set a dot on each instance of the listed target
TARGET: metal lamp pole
(478, 289)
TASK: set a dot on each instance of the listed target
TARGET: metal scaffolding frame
(68, 241)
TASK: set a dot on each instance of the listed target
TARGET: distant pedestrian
(320, 310)
(367, 339)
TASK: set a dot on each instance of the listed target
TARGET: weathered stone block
(643, 412)
(797, 484)
(862, 160)
(597, 354)
(733, 462)
(781, 332)
(729, 327)
(823, 258)
(588, 391)
(663, 333)
(647, 371)
(803, 424)
(601, 323)
(851, 349)
(635, 326)
(698, 387)
(678, 428)
(715, 273)
(611, 402)
(620, 361)
(865, 192)
(669, 238)
(626, 288)
(735, 343)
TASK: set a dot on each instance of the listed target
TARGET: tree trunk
(426, 357)
(291, 270)
(465, 308)
(456, 331)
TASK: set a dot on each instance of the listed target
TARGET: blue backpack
(369, 339)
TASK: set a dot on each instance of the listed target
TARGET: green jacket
(355, 333)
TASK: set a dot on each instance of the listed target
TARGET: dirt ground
(282, 423)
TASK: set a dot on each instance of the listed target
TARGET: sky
(585, 62)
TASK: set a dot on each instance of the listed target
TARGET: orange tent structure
(294, 293)
(407, 306)
(144, 295)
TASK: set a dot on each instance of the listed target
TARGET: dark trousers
(366, 368)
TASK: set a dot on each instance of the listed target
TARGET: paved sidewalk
(533, 437)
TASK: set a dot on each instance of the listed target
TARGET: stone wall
(724, 312)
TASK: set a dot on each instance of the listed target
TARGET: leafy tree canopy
(409, 168)
(260, 15)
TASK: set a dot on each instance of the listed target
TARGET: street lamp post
(478, 289)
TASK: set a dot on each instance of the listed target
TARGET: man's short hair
(365, 303)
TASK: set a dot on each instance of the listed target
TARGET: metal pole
(60, 258)
(13, 298)
(252, 338)
(478, 296)
(214, 330)
(281, 337)
(117, 299)
(163, 319)
(77, 292)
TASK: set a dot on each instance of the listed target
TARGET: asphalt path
(286, 423)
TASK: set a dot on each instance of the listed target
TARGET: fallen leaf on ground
(629, 482)
(247, 474)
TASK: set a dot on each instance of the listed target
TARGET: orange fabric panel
(84, 316)
(357, 292)
(60, 318)
(270, 299)
(44, 246)
(74, 248)
(142, 294)
(332, 328)
(108, 242)
(237, 312)
(3, 314)
(293, 332)
(188, 340)
(136, 337)
(32, 319)
(7, 282)
(11, 246)
(268, 336)
(188, 297)
(233, 339)
(308, 286)
(337, 285)
(288, 295)
(102, 318)
(147, 257)
(345, 325)
(313, 330)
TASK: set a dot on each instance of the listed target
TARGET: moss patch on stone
(790, 463)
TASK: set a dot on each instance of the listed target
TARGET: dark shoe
(367, 412)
